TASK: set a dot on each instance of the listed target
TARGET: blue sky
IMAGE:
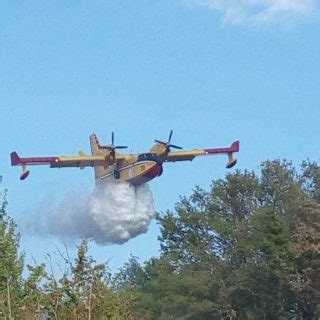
(213, 71)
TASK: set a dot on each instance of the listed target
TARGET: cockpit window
(148, 156)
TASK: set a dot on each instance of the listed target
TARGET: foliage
(83, 291)
(248, 248)
(11, 266)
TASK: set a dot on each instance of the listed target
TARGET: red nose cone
(24, 175)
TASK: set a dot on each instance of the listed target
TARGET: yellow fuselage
(133, 169)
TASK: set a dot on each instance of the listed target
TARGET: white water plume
(114, 212)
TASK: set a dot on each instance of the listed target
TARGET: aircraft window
(147, 156)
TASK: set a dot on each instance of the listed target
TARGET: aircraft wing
(185, 155)
(80, 161)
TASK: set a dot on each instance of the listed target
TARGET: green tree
(11, 267)
(246, 249)
(306, 247)
(87, 292)
(32, 292)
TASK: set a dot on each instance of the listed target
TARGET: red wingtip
(14, 158)
(235, 146)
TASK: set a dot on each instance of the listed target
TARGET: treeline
(248, 248)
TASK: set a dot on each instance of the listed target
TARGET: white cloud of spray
(114, 212)
(259, 11)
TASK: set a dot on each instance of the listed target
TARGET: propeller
(113, 147)
(168, 144)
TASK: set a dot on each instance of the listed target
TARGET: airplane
(137, 168)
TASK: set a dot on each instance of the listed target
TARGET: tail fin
(94, 143)
(96, 149)
(14, 158)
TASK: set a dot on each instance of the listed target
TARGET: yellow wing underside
(81, 161)
(77, 161)
(184, 155)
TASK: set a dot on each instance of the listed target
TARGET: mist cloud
(114, 212)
